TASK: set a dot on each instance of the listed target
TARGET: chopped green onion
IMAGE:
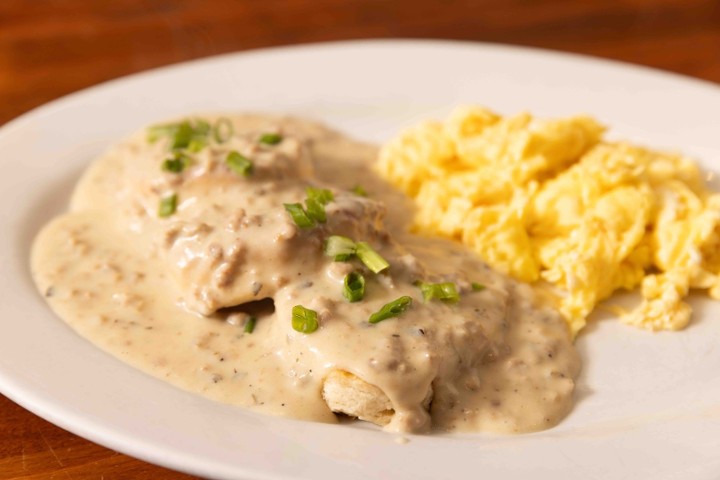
(354, 286)
(370, 257)
(250, 324)
(392, 309)
(185, 134)
(340, 248)
(315, 203)
(271, 138)
(360, 191)
(304, 320)
(182, 136)
(197, 144)
(222, 130)
(299, 216)
(477, 286)
(239, 164)
(176, 164)
(321, 195)
(168, 205)
(440, 291)
(315, 210)
(202, 127)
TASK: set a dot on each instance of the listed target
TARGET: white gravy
(167, 295)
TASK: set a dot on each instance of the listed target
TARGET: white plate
(649, 404)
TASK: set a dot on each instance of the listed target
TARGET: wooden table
(51, 48)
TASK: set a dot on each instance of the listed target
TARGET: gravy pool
(171, 295)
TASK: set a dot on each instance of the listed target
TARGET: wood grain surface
(49, 48)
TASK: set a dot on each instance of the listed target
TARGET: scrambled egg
(551, 200)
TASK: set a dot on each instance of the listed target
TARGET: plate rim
(406, 41)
